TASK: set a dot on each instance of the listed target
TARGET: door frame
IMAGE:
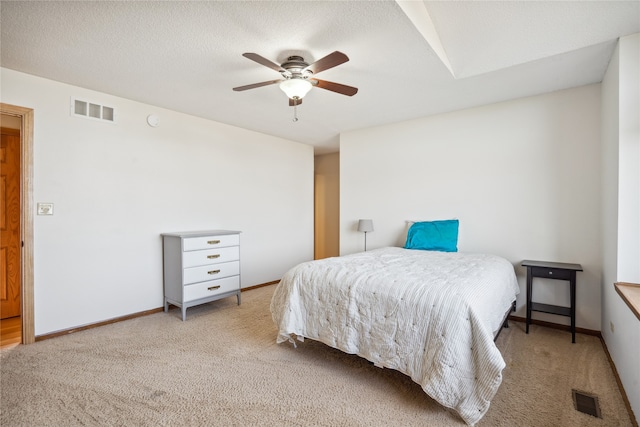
(26, 211)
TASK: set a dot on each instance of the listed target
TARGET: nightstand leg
(529, 294)
(572, 285)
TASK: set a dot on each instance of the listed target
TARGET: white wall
(621, 209)
(116, 187)
(523, 178)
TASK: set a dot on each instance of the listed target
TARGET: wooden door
(10, 223)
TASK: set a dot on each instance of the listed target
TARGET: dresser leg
(184, 313)
(239, 297)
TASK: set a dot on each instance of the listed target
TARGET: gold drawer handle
(213, 272)
(213, 242)
(213, 256)
(213, 288)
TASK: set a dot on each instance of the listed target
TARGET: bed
(431, 315)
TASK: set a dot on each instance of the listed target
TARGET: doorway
(10, 242)
(21, 119)
(327, 205)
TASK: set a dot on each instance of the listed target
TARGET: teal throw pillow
(434, 236)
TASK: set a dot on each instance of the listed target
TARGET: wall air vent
(91, 110)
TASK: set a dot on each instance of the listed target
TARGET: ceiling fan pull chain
(295, 109)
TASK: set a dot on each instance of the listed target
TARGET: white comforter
(430, 315)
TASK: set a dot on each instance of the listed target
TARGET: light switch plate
(45, 208)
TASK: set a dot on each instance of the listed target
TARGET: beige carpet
(222, 367)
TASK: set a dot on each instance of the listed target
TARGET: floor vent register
(586, 403)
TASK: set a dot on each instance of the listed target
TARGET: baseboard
(634, 421)
(127, 317)
(557, 326)
(98, 324)
(598, 334)
(260, 285)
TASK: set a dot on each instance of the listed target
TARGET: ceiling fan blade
(294, 102)
(263, 61)
(255, 85)
(333, 59)
(335, 87)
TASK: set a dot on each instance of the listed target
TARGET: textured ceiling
(187, 56)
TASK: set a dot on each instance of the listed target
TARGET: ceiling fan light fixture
(296, 88)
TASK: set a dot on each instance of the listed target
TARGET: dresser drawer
(211, 288)
(210, 256)
(551, 273)
(211, 272)
(208, 242)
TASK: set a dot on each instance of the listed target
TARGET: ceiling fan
(298, 77)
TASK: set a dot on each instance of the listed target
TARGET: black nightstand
(552, 270)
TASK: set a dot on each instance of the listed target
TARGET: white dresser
(200, 266)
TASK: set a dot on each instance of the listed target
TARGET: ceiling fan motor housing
(296, 68)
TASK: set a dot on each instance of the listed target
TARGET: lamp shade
(365, 225)
(296, 88)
